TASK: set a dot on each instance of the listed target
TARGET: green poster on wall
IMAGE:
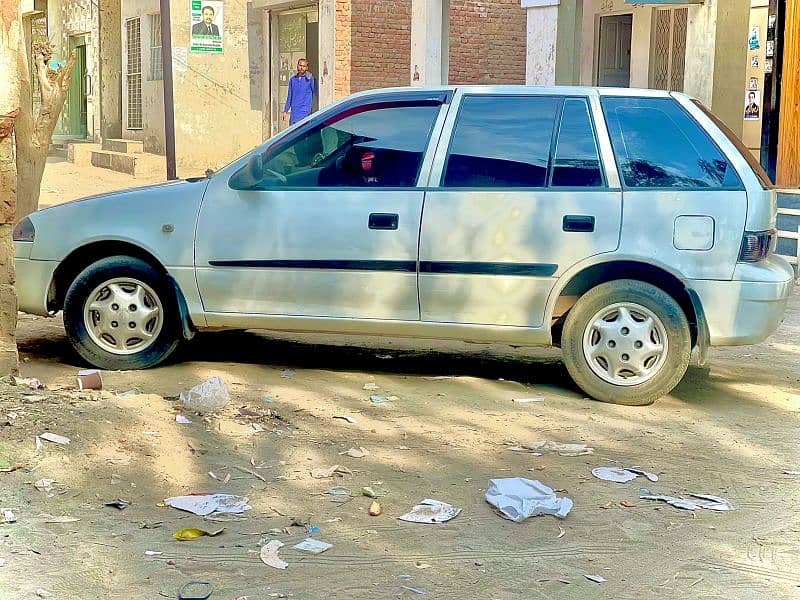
(206, 20)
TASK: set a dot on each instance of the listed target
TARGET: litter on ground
(205, 504)
(313, 546)
(557, 447)
(705, 501)
(55, 438)
(622, 474)
(517, 499)
(209, 396)
(431, 511)
(359, 452)
(269, 555)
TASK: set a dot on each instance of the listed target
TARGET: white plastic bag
(209, 396)
(518, 498)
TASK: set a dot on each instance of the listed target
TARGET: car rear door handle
(383, 221)
(579, 223)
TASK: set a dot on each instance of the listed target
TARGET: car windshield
(743, 150)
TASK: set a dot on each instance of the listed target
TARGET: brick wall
(487, 42)
(373, 44)
(343, 31)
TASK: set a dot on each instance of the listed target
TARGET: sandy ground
(730, 430)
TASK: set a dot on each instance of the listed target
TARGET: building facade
(730, 55)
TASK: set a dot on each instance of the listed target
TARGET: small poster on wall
(768, 65)
(206, 19)
(754, 84)
(755, 33)
(771, 48)
(752, 106)
(754, 61)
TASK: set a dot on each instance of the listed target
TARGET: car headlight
(24, 231)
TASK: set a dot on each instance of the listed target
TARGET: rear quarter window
(657, 144)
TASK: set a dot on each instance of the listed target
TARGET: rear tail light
(24, 231)
(757, 245)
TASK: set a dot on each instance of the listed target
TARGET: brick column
(540, 63)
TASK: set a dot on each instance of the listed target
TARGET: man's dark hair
(205, 8)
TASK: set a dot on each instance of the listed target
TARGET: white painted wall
(640, 38)
(542, 29)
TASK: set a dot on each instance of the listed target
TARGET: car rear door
(518, 195)
(332, 227)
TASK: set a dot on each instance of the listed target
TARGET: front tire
(120, 314)
(626, 342)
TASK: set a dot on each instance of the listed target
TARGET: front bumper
(749, 308)
(33, 282)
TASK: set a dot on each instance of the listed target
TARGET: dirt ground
(730, 430)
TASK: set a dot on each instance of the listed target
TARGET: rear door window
(658, 145)
(502, 141)
(577, 161)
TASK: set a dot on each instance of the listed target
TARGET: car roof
(522, 89)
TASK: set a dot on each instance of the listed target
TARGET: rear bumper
(33, 282)
(749, 308)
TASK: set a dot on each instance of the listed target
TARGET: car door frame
(443, 96)
(538, 334)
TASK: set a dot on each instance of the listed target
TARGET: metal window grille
(669, 48)
(156, 62)
(133, 72)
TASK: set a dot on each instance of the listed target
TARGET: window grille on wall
(156, 62)
(669, 48)
(133, 72)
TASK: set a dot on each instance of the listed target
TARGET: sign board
(206, 23)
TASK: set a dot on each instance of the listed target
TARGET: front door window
(370, 146)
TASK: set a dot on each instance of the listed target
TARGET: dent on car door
(331, 229)
(522, 197)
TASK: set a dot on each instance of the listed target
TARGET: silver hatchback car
(626, 226)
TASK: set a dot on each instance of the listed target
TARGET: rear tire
(120, 313)
(626, 342)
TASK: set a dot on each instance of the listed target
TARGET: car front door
(518, 197)
(324, 223)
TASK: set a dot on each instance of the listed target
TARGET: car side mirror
(250, 175)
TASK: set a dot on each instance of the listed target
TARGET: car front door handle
(579, 223)
(383, 221)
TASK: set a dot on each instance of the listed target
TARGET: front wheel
(626, 342)
(121, 314)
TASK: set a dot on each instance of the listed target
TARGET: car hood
(175, 188)
(159, 219)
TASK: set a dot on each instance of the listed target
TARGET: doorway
(77, 96)
(295, 35)
(614, 51)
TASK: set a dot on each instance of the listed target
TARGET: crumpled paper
(205, 504)
(518, 498)
(431, 511)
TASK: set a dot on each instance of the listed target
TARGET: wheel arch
(583, 279)
(83, 256)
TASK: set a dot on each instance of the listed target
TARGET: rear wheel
(626, 342)
(120, 313)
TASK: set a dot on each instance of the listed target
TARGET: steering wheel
(279, 176)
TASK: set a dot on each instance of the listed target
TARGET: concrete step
(80, 153)
(137, 164)
(127, 146)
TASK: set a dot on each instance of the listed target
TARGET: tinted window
(577, 162)
(502, 141)
(763, 178)
(658, 145)
(371, 146)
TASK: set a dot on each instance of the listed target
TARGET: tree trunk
(34, 136)
(10, 35)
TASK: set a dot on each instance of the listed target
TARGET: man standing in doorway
(302, 88)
